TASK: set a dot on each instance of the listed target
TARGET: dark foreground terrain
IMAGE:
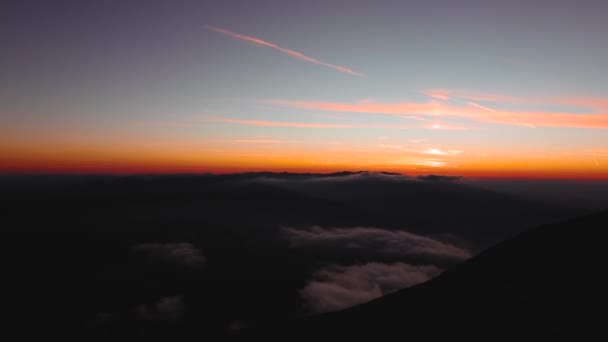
(547, 284)
(205, 257)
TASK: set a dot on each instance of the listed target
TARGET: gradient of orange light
(229, 156)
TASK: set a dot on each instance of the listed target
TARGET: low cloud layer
(360, 176)
(345, 176)
(394, 243)
(340, 287)
(181, 253)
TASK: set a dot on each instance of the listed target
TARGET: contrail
(481, 107)
(291, 53)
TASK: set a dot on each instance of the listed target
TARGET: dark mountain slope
(71, 243)
(548, 283)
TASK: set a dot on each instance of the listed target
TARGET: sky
(474, 88)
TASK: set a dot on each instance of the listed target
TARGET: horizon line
(489, 176)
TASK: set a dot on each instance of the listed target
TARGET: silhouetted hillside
(191, 257)
(547, 284)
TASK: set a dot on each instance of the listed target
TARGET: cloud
(426, 162)
(359, 176)
(445, 127)
(291, 53)
(166, 309)
(430, 150)
(309, 179)
(254, 141)
(398, 109)
(264, 123)
(472, 112)
(399, 148)
(434, 151)
(590, 102)
(439, 94)
(477, 105)
(594, 103)
(599, 153)
(439, 178)
(181, 253)
(339, 287)
(382, 242)
(446, 94)
(441, 152)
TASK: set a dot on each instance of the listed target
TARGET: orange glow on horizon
(73, 163)
(138, 155)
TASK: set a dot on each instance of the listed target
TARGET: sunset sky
(473, 88)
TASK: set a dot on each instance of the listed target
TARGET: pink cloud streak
(597, 104)
(264, 123)
(446, 94)
(472, 112)
(289, 52)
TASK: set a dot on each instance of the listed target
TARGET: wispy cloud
(430, 150)
(338, 287)
(599, 153)
(446, 94)
(374, 241)
(439, 94)
(476, 113)
(426, 162)
(445, 127)
(256, 141)
(439, 152)
(398, 148)
(265, 123)
(289, 52)
(595, 103)
(398, 109)
(477, 105)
